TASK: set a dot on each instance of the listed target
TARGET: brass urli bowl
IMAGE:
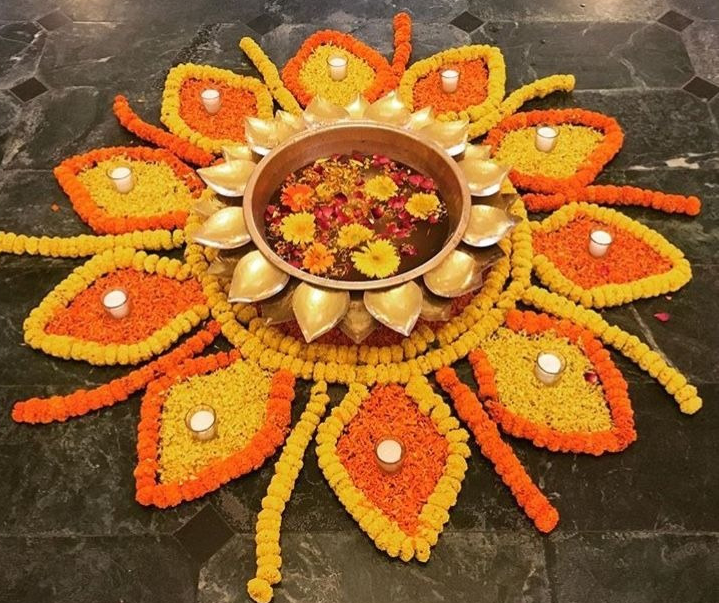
(424, 156)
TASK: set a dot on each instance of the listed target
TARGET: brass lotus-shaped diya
(286, 292)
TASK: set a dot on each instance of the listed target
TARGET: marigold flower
(298, 197)
(318, 259)
(422, 205)
(352, 235)
(298, 228)
(380, 187)
(377, 259)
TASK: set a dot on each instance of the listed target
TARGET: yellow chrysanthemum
(352, 235)
(422, 205)
(380, 187)
(318, 259)
(298, 228)
(377, 259)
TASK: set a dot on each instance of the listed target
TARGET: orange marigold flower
(318, 259)
(298, 197)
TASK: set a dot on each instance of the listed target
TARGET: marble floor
(641, 526)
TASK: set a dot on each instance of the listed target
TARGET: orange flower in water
(298, 197)
(318, 259)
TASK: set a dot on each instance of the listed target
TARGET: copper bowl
(365, 137)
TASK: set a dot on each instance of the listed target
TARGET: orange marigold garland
(402, 24)
(132, 122)
(526, 493)
(613, 384)
(471, 89)
(217, 473)
(99, 219)
(81, 402)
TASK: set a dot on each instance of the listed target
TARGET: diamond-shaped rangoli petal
(252, 409)
(639, 262)
(402, 512)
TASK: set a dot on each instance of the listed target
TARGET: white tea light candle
(211, 100)
(122, 179)
(117, 303)
(390, 454)
(338, 68)
(545, 138)
(202, 422)
(549, 367)
(599, 242)
(450, 80)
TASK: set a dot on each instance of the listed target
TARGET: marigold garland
(402, 26)
(172, 104)
(471, 88)
(588, 169)
(81, 402)
(607, 194)
(506, 464)
(384, 79)
(387, 533)
(84, 203)
(217, 472)
(132, 122)
(558, 277)
(629, 345)
(85, 245)
(287, 469)
(615, 439)
(83, 277)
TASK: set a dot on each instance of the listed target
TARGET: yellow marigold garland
(170, 115)
(385, 533)
(80, 279)
(269, 520)
(629, 345)
(536, 89)
(611, 294)
(270, 75)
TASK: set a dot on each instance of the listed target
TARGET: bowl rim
(370, 284)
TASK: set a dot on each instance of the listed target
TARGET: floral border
(386, 533)
(64, 346)
(611, 294)
(97, 218)
(622, 433)
(170, 111)
(261, 446)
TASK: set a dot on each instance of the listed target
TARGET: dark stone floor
(642, 526)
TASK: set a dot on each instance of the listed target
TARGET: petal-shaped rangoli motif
(586, 142)
(252, 407)
(587, 410)
(639, 262)
(71, 321)
(164, 190)
(368, 72)
(480, 89)
(402, 512)
(184, 114)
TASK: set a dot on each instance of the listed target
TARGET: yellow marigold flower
(377, 259)
(380, 187)
(352, 235)
(318, 259)
(422, 205)
(298, 228)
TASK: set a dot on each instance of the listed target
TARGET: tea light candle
(117, 303)
(202, 422)
(599, 242)
(338, 68)
(211, 100)
(450, 80)
(548, 368)
(122, 179)
(545, 138)
(390, 454)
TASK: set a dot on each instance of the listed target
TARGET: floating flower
(298, 197)
(377, 259)
(298, 228)
(422, 205)
(318, 259)
(352, 235)
(380, 187)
